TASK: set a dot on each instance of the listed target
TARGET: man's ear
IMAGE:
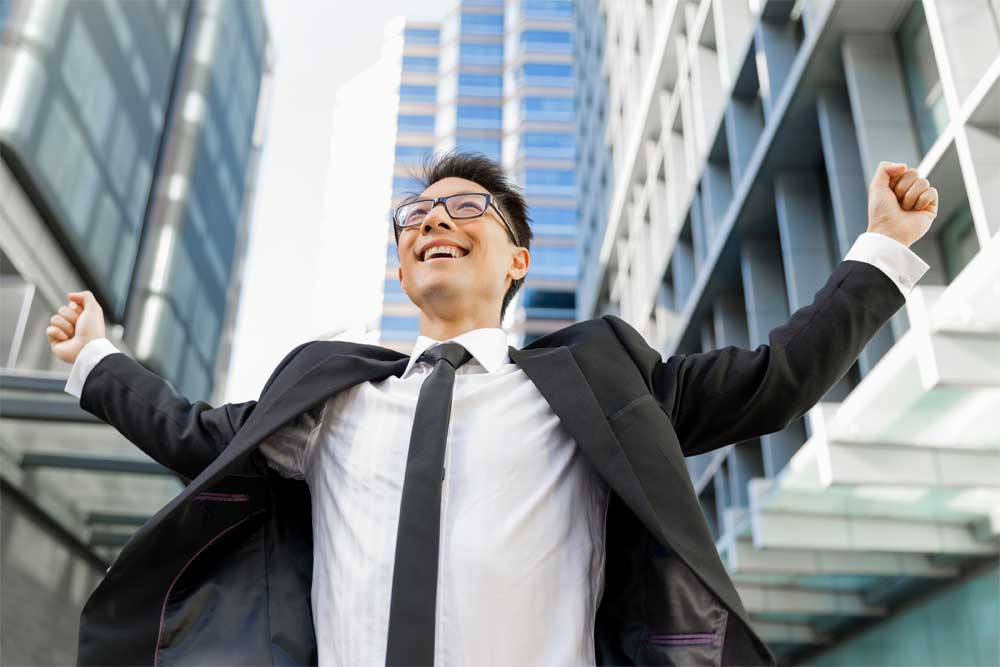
(400, 270)
(519, 264)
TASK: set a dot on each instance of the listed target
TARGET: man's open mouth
(443, 252)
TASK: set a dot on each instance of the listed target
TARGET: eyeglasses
(459, 206)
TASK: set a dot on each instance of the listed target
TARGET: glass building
(129, 140)
(724, 151)
(496, 78)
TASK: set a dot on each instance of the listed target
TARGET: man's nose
(436, 217)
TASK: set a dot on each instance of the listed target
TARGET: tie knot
(453, 353)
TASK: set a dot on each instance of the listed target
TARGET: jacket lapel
(559, 379)
(287, 399)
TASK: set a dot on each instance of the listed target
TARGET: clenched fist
(74, 325)
(901, 204)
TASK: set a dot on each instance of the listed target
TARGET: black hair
(489, 174)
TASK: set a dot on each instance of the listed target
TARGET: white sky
(311, 267)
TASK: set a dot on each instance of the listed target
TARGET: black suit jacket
(222, 573)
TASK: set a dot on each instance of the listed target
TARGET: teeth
(442, 250)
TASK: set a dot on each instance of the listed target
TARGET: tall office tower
(497, 78)
(737, 139)
(128, 140)
(539, 149)
(415, 123)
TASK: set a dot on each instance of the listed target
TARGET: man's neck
(446, 329)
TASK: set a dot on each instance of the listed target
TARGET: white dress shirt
(521, 564)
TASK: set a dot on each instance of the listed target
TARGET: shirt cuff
(91, 353)
(903, 266)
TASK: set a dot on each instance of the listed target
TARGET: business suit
(228, 561)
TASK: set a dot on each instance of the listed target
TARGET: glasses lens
(466, 206)
(412, 213)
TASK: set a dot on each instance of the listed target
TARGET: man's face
(474, 281)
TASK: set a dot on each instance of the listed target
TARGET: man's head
(490, 265)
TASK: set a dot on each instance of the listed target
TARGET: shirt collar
(488, 346)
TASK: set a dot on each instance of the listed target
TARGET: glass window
(401, 323)
(411, 123)
(417, 94)
(547, 41)
(482, 24)
(548, 177)
(490, 85)
(546, 74)
(958, 242)
(547, 9)
(552, 221)
(552, 109)
(477, 53)
(487, 146)
(535, 298)
(421, 35)
(553, 262)
(405, 184)
(412, 154)
(479, 117)
(549, 145)
(419, 64)
(393, 292)
(923, 84)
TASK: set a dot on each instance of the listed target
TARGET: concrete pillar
(682, 266)
(716, 194)
(767, 308)
(776, 45)
(882, 119)
(805, 247)
(744, 124)
(848, 195)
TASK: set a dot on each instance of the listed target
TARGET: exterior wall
(45, 579)
(956, 627)
(725, 149)
(130, 134)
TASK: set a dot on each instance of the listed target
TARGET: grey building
(129, 140)
(725, 149)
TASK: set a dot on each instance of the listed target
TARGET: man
(549, 519)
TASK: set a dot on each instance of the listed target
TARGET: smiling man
(469, 503)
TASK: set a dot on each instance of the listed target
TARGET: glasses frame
(444, 202)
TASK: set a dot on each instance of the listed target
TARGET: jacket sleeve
(732, 394)
(183, 436)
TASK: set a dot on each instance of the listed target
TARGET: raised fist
(901, 204)
(74, 325)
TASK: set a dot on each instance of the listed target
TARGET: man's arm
(732, 394)
(183, 436)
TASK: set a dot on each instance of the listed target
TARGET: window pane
(421, 35)
(417, 94)
(482, 24)
(474, 53)
(923, 83)
(488, 85)
(410, 123)
(419, 64)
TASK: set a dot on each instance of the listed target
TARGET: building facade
(724, 153)
(496, 78)
(129, 139)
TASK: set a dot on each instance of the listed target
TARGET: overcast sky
(308, 268)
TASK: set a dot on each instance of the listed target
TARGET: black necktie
(414, 575)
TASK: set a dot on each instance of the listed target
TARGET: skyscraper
(129, 138)
(496, 78)
(725, 151)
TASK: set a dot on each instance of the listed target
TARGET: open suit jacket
(222, 573)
